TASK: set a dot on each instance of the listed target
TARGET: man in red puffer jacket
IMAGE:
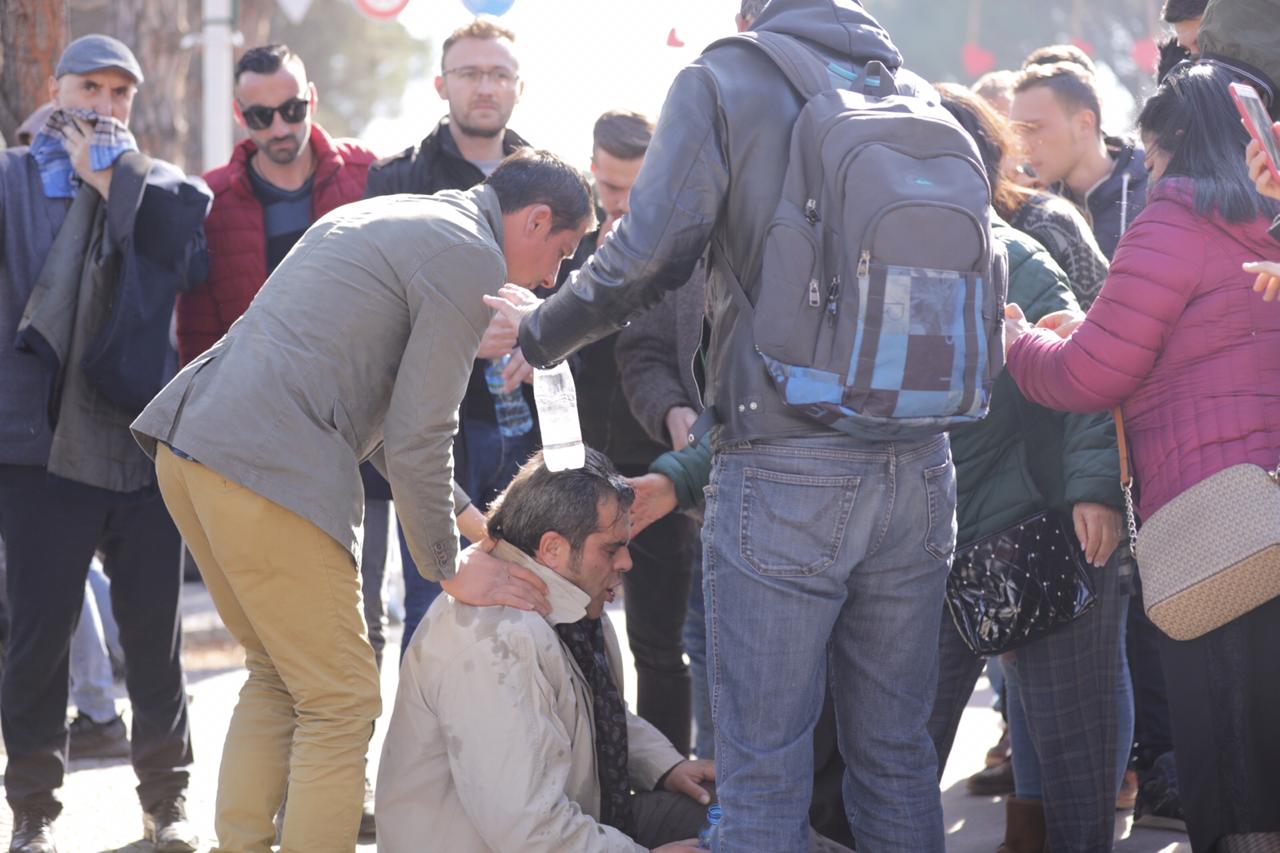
(284, 177)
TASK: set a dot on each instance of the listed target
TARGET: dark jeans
(656, 598)
(484, 462)
(373, 569)
(1152, 729)
(51, 532)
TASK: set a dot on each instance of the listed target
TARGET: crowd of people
(309, 357)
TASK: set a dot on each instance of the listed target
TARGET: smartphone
(1258, 123)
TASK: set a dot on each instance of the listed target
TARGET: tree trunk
(153, 29)
(32, 36)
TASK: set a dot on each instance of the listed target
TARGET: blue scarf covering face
(110, 139)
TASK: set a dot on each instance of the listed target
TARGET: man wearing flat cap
(98, 239)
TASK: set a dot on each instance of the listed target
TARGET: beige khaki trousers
(290, 594)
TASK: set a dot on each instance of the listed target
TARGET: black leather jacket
(713, 176)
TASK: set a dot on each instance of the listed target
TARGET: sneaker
(1001, 752)
(1128, 793)
(166, 827)
(368, 826)
(32, 832)
(1158, 804)
(98, 740)
(992, 782)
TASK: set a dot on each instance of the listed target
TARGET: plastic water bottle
(709, 829)
(509, 407)
(557, 401)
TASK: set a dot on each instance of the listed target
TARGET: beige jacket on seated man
(491, 743)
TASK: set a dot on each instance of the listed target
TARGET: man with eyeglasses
(480, 79)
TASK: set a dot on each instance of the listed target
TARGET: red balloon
(674, 40)
(977, 59)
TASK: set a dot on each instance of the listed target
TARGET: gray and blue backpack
(881, 299)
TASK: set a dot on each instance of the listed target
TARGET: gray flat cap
(93, 53)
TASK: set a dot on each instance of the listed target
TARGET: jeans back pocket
(793, 524)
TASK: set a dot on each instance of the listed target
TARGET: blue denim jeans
(827, 555)
(484, 462)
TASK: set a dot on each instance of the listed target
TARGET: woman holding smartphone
(1261, 173)
(1176, 340)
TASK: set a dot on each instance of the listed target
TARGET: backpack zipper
(815, 296)
(833, 300)
(864, 267)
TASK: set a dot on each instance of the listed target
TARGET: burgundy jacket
(238, 240)
(1178, 338)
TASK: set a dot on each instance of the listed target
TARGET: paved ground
(102, 811)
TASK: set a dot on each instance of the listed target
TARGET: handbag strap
(1126, 481)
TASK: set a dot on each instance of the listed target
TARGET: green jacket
(1022, 458)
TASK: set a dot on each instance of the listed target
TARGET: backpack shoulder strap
(801, 66)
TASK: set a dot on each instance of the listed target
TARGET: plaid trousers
(1068, 682)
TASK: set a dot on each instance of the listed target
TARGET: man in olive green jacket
(358, 346)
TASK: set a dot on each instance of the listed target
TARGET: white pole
(217, 71)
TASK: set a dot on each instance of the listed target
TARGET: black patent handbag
(1016, 586)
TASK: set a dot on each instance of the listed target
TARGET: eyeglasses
(503, 78)
(292, 111)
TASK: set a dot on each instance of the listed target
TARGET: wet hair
(751, 9)
(483, 28)
(539, 501)
(531, 176)
(994, 137)
(1070, 82)
(1177, 11)
(266, 59)
(625, 135)
(1192, 119)
(1054, 53)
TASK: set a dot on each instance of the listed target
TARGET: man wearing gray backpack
(853, 300)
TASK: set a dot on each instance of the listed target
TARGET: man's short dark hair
(625, 135)
(1070, 82)
(530, 176)
(751, 9)
(568, 502)
(266, 59)
(1054, 53)
(1177, 11)
(483, 28)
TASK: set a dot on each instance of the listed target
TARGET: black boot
(165, 825)
(32, 832)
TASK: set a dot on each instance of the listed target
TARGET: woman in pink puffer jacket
(1178, 339)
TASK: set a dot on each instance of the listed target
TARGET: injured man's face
(597, 568)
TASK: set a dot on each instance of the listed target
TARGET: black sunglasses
(293, 111)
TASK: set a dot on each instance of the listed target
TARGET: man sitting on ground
(509, 730)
